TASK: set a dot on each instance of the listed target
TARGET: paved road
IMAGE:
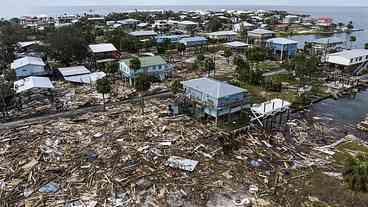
(45, 118)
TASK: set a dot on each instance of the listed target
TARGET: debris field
(122, 157)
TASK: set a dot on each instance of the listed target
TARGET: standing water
(345, 110)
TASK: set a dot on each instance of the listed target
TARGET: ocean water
(358, 15)
(348, 110)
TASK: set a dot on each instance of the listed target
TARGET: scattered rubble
(121, 157)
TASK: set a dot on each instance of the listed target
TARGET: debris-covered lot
(122, 157)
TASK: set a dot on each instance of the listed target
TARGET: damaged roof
(32, 82)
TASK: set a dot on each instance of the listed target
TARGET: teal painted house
(153, 66)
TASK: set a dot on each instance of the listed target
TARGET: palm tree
(142, 84)
(181, 48)
(135, 63)
(228, 53)
(243, 33)
(112, 68)
(104, 87)
(210, 65)
(352, 39)
(300, 67)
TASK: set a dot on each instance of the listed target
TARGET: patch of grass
(333, 192)
(344, 151)
(283, 78)
(268, 66)
(259, 94)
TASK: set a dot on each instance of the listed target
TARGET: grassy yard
(259, 94)
(322, 190)
(347, 150)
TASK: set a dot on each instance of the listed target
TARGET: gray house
(216, 98)
(28, 66)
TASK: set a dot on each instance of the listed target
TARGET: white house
(223, 35)
(246, 25)
(236, 45)
(291, 19)
(348, 57)
(28, 66)
(104, 51)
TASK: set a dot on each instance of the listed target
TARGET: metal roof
(32, 82)
(75, 70)
(282, 41)
(86, 78)
(171, 36)
(354, 53)
(104, 47)
(236, 44)
(129, 21)
(27, 61)
(143, 33)
(148, 61)
(193, 39)
(261, 31)
(26, 44)
(328, 40)
(246, 24)
(188, 23)
(214, 88)
(221, 33)
(142, 24)
(270, 107)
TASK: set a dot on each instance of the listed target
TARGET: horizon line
(216, 5)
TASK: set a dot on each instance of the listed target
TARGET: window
(366, 57)
(361, 58)
(351, 60)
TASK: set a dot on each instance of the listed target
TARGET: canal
(345, 110)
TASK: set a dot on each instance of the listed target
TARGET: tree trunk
(4, 111)
(103, 98)
(142, 103)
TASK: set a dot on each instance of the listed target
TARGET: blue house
(216, 98)
(282, 48)
(28, 66)
(194, 41)
(153, 66)
(173, 39)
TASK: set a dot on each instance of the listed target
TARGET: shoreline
(286, 34)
